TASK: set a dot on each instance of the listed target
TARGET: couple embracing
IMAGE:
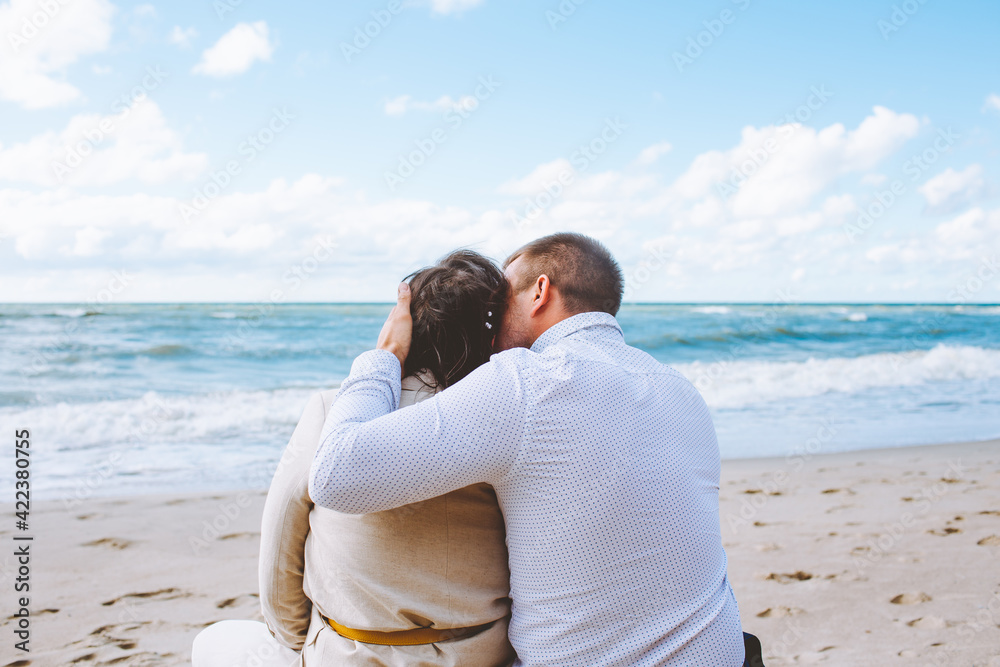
(503, 480)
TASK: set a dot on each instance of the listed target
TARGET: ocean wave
(734, 383)
(74, 312)
(978, 310)
(268, 416)
(712, 310)
(857, 317)
(230, 417)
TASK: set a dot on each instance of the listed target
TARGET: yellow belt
(405, 637)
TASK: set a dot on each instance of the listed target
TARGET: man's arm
(373, 458)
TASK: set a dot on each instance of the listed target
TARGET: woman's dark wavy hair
(457, 306)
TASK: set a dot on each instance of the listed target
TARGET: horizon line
(389, 303)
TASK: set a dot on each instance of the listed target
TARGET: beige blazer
(438, 563)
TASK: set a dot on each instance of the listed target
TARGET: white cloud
(652, 153)
(236, 51)
(992, 103)
(400, 105)
(973, 228)
(88, 241)
(952, 189)
(786, 167)
(453, 6)
(234, 222)
(182, 36)
(776, 175)
(44, 43)
(967, 238)
(243, 243)
(95, 149)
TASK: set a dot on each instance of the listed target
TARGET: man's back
(612, 509)
(606, 467)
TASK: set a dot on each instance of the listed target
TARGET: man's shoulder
(514, 355)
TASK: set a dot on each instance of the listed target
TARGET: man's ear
(542, 296)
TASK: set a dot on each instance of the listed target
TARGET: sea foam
(735, 383)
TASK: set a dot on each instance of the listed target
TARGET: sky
(726, 151)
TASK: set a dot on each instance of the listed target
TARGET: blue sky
(725, 151)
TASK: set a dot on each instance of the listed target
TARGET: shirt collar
(573, 324)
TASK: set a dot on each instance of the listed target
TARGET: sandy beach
(877, 557)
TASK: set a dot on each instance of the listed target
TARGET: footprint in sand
(233, 536)
(928, 623)
(780, 612)
(839, 508)
(911, 598)
(163, 594)
(112, 542)
(948, 530)
(105, 630)
(991, 541)
(812, 657)
(789, 578)
(141, 658)
(248, 598)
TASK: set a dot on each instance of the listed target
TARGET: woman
(420, 585)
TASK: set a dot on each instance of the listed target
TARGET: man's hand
(398, 328)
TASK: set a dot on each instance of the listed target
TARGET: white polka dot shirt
(606, 467)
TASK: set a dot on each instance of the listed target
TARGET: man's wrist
(379, 365)
(396, 351)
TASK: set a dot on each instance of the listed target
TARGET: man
(604, 461)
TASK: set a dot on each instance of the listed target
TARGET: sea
(143, 398)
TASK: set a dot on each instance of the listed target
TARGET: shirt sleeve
(372, 457)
